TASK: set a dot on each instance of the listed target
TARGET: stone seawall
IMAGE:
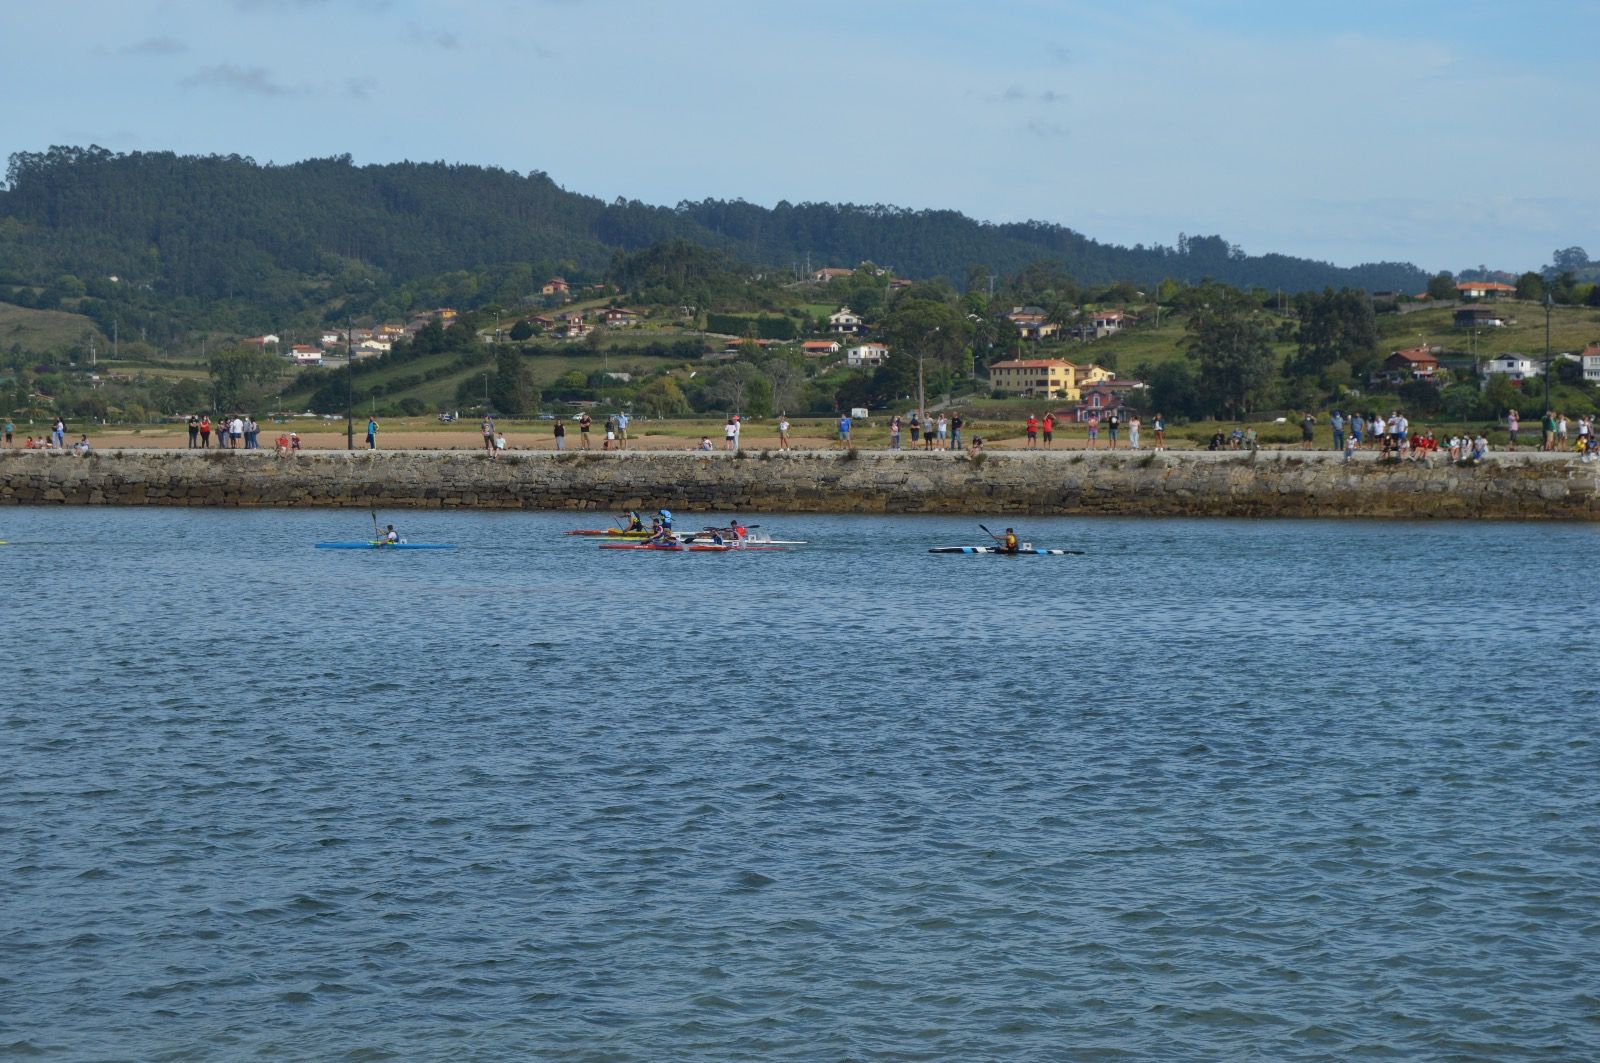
(1266, 484)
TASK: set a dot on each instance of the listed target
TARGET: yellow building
(1043, 378)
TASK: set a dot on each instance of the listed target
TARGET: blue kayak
(371, 545)
(1029, 550)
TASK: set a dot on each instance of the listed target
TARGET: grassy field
(1571, 329)
(47, 329)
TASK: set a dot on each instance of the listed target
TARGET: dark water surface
(1216, 790)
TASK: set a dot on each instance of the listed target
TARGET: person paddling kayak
(390, 536)
(635, 522)
(1008, 541)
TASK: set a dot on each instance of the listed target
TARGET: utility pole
(349, 385)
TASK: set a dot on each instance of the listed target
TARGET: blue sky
(1446, 134)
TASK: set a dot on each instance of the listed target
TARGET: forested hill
(225, 227)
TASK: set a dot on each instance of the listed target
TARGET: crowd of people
(932, 433)
(239, 432)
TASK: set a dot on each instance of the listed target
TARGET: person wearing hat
(666, 519)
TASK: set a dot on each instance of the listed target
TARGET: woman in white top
(783, 431)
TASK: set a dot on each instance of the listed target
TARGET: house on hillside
(819, 348)
(845, 321)
(622, 317)
(1515, 367)
(556, 286)
(374, 346)
(1045, 378)
(867, 354)
(1485, 290)
(1020, 315)
(1413, 363)
(1479, 317)
(1103, 398)
(329, 338)
(828, 273)
(1590, 360)
(304, 354)
(1106, 322)
(262, 342)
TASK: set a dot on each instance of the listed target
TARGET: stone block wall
(1264, 484)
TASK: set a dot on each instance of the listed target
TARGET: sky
(1451, 135)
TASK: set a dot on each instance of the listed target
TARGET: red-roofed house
(819, 348)
(828, 273)
(269, 340)
(1485, 290)
(1590, 360)
(1102, 398)
(555, 286)
(1045, 378)
(1413, 363)
(303, 354)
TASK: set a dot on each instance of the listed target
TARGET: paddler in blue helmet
(666, 519)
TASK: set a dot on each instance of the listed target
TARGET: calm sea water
(1215, 790)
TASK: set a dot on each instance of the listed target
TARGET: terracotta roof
(1034, 363)
(1415, 354)
(1487, 286)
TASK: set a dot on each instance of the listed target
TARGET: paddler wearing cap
(666, 518)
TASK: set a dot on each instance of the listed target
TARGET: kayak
(372, 545)
(996, 550)
(703, 538)
(620, 533)
(707, 548)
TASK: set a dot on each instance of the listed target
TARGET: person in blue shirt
(666, 519)
(1338, 430)
(372, 433)
(844, 428)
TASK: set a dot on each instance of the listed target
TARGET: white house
(844, 321)
(374, 346)
(330, 339)
(302, 354)
(1590, 360)
(269, 340)
(1513, 366)
(867, 354)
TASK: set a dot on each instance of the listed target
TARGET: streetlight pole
(349, 385)
(1548, 303)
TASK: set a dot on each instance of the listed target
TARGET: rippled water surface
(1215, 790)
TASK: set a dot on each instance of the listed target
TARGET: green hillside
(227, 244)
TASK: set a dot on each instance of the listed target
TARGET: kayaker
(635, 523)
(739, 530)
(1008, 541)
(662, 536)
(390, 536)
(666, 519)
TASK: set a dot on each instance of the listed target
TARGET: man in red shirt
(1033, 432)
(1049, 428)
